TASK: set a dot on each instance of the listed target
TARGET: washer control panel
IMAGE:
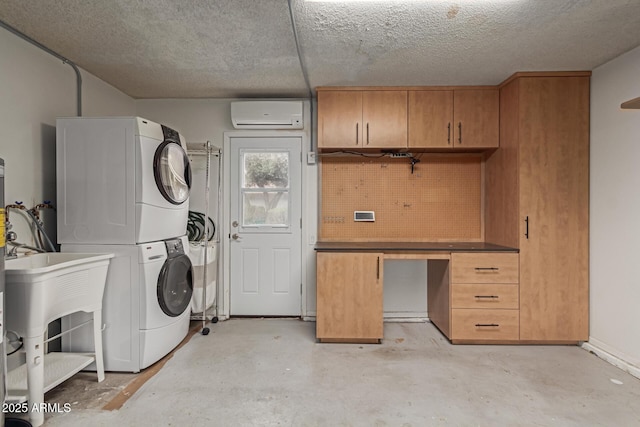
(174, 247)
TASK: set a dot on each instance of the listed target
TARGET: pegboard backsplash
(440, 201)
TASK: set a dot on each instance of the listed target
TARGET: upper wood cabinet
(340, 119)
(476, 115)
(384, 115)
(362, 119)
(430, 118)
(458, 119)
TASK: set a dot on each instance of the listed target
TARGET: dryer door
(172, 171)
(175, 285)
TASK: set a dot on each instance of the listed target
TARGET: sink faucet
(13, 252)
(11, 236)
(11, 240)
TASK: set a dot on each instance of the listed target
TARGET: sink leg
(97, 340)
(35, 378)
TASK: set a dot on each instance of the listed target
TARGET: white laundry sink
(43, 287)
(39, 289)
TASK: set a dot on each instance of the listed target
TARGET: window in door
(265, 190)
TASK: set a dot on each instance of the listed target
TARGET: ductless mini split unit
(267, 114)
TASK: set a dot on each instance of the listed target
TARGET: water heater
(3, 354)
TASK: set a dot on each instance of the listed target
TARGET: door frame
(309, 215)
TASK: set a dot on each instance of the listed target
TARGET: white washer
(120, 180)
(145, 307)
(165, 298)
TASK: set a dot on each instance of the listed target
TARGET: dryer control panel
(170, 134)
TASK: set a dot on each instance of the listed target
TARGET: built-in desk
(472, 289)
(408, 248)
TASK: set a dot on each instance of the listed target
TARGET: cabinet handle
(487, 325)
(487, 269)
(378, 269)
(449, 133)
(459, 132)
(526, 229)
(367, 133)
(487, 296)
(357, 132)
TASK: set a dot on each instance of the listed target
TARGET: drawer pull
(487, 296)
(487, 269)
(487, 325)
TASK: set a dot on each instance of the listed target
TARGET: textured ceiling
(246, 48)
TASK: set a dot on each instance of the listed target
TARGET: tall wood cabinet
(362, 119)
(537, 200)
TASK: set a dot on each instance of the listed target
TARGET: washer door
(175, 285)
(172, 171)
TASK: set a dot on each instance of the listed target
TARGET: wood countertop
(411, 247)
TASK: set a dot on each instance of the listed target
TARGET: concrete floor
(271, 372)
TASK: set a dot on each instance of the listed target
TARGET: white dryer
(120, 180)
(146, 304)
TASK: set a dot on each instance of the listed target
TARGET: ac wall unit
(266, 114)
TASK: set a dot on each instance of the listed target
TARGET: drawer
(479, 324)
(484, 268)
(473, 295)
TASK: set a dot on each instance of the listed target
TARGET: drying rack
(207, 150)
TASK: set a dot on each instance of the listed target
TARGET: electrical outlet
(400, 155)
(311, 158)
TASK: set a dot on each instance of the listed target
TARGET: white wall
(35, 88)
(405, 289)
(201, 120)
(615, 211)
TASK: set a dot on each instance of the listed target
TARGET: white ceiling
(246, 48)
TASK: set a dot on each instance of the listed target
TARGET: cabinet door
(340, 119)
(430, 118)
(554, 199)
(349, 296)
(476, 118)
(384, 114)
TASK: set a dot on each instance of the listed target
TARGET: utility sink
(39, 289)
(43, 287)
(50, 261)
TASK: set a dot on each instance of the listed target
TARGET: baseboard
(605, 353)
(393, 316)
(418, 319)
(409, 315)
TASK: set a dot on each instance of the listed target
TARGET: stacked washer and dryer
(123, 187)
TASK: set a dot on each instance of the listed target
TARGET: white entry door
(265, 226)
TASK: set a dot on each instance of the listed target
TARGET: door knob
(234, 224)
(235, 236)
